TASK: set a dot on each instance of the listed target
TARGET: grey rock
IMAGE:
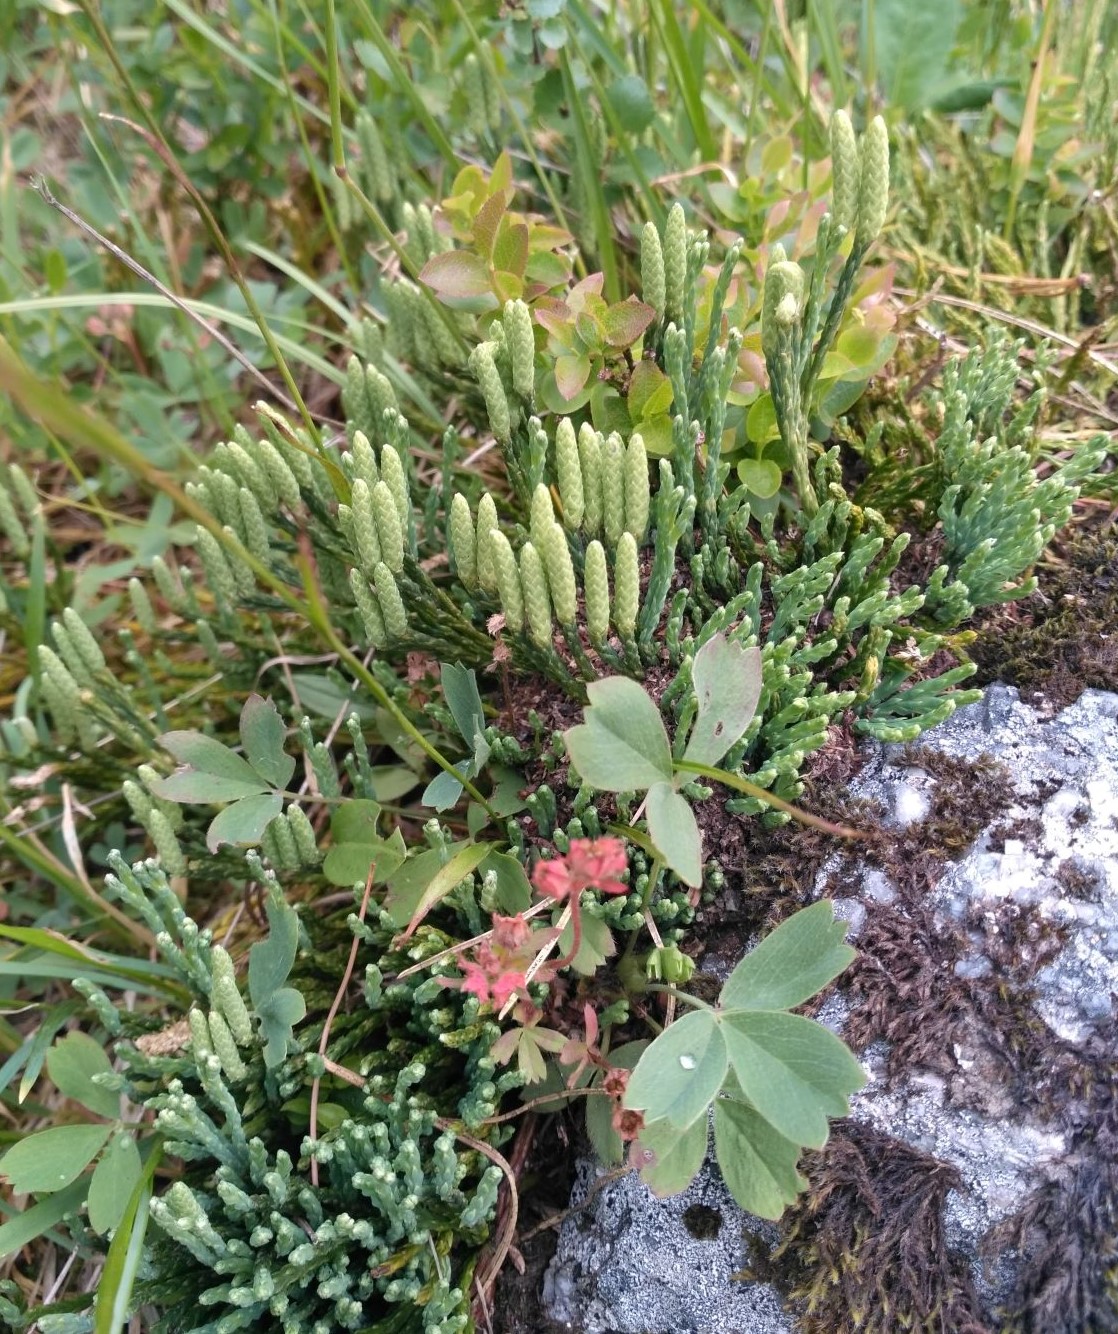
(627, 1262)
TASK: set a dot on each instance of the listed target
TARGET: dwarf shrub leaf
(243, 823)
(458, 273)
(797, 960)
(727, 681)
(760, 476)
(53, 1158)
(114, 1180)
(758, 1164)
(678, 1076)
(792, 1070)
(672, 1156)
(622, 746)
(674, 831)
(262, 735)
(72, 1063)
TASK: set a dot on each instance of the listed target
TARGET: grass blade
(114, 1292)
(683, 71)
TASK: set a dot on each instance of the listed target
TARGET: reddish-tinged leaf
(591, 284)
(457, 273)
(555, 315)
(510, 252)
(650, 391)
(571, 374)
(488, 221)
(507, 286)
(625, 322)
(501, 178)
(545, 237)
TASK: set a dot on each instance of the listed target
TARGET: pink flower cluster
(497, 969)
(591, 863)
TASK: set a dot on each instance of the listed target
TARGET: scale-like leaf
(51, 1159)
(114, 1180)
(793, 1070)
(670, 1157)
(622, 745)
(679, 1075)
(243, 823)
(72, 1062)
(727, 681)
(262, 735)
(789, 966)
(758, 1164)
(673, 829)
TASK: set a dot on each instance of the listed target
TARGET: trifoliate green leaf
(262, 735)
(622, 745)
(789, 966)
(675, 832)
(670, 1157)
(727, 679)
(795, 1072)
(243, 823)
(51, 1159)
(758, 1164)
(71, 1064)
(114, 1180)
(680, 1074)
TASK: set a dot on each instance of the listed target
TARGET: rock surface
(1028, 911)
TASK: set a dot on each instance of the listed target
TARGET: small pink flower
(627, 1124)
(590, 863)
(596, 864)
(615, 1081)
(552, 879)
(510, 933)
(475, 979)
(508, 984)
